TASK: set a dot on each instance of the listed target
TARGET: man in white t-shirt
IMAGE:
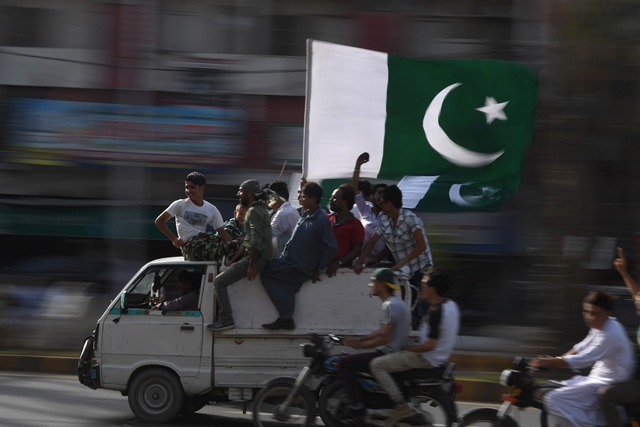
(192, 215)
(438, 335)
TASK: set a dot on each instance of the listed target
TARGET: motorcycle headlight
(509, 377)
(309, 350)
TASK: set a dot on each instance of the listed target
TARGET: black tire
(156, 396)
(192, 405)
(333, 400)
(302, 411)
(486, 417)
(433, 410)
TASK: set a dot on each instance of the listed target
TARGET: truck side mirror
(123, 303)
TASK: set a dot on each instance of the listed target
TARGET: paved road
(36, 400)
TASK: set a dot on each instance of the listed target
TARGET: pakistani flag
(454, 132)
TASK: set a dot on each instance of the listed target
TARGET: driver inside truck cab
(189, 286)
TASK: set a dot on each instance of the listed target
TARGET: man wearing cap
(257, 245)
(438, 335)
(391, 337)
(193, 215)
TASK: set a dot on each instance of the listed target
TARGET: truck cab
(169, 363)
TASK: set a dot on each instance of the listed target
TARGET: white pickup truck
(170, 363)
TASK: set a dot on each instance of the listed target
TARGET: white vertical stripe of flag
(345, 110)
(414, 188)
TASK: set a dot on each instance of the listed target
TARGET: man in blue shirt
(311, 248)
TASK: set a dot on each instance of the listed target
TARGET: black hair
(197, 178)
(382, 185)
(281, 188)
(365, 187)
(601, 299)
(439, 279)
(193, 277)
(313, 189)
(348, 194)
(394, 195)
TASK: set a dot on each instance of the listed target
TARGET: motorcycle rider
(391, 337)
(607, 348)
(626, 392)
(438, 335)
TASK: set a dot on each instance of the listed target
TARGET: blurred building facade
(107, 104)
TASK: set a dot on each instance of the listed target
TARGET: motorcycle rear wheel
(301, 412)
(486, 417)
(333, 400)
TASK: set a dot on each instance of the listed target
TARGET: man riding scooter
(607, 348)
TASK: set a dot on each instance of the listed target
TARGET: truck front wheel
(155, 396)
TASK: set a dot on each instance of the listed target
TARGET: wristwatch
(339, 263)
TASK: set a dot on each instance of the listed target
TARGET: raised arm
(355, 178)
(622, 265)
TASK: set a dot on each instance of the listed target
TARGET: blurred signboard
(49, 132)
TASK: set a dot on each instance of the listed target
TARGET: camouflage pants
(208, 247)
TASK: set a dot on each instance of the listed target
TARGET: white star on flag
(493, 110)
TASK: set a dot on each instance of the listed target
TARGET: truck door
(135, 333)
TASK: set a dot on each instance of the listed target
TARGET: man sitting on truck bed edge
(312, 247)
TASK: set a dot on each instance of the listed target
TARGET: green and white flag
(454, 132)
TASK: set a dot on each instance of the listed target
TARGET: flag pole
(282, 170)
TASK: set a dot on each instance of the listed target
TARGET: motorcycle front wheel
(486, 417)
(266, 406)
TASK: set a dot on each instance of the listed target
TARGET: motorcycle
(526, 393)
(430, 392)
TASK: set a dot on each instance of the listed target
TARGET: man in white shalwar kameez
(607, 347)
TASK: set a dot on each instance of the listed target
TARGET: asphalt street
(35, 400)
